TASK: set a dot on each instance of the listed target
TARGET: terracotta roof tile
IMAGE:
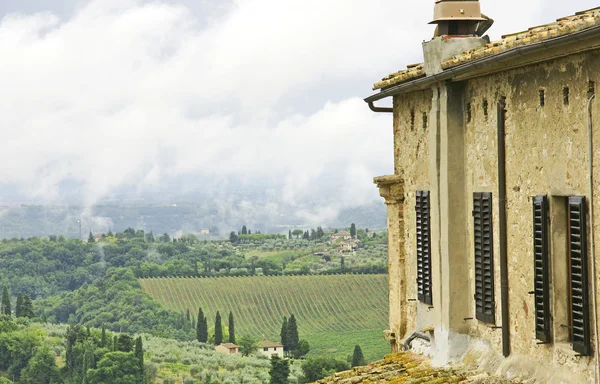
(269, 344)
(563, 26)
(414, 71)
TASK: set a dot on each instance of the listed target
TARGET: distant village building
(341, 235)
(205, 232)
(491, 205)
(269, 348)
(227, 348)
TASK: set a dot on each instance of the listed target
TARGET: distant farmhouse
(341, 235)
(227, 348)
(491, 205)
(269, 348)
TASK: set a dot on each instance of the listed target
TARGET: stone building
(491, 206)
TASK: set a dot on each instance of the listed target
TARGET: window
(266, 349)
(484, 257)
(423, 248)
(541, 263)
(580, 316)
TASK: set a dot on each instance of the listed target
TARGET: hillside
(333, 312)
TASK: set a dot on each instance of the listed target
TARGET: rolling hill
(333, 312)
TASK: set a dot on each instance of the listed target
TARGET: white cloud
(127, 92)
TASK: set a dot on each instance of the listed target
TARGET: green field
(333, 312)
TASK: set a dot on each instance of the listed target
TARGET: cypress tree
(292, 334)
(231, 329)
(218, 329)
(115, 343)
(19, 306)
(199, 326)
(139, 354)
(283, 333)
(91, 238)
(204, 334)
(357, 357)
(27, 307)
(5, 306)
(187, 316)
(353, 230)
(103, 340)
(193, 323)
(280, 370)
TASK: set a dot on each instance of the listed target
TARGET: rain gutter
(465, 69)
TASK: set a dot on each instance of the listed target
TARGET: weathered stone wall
(411, 148)
(546, 154)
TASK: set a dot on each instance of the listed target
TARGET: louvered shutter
(484, 257)
(423, 247)
(579, 275)
(540, 255)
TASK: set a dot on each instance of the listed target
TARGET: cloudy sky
(101, 95)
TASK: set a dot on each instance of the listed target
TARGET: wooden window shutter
(580, 314)
(423, 248)
(541, 268)
(484, 257)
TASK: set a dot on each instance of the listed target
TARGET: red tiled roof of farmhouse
(269, 344)
(564, 26)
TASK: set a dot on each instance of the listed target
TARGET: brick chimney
(460, 25)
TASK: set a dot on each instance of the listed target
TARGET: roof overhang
(586, 40)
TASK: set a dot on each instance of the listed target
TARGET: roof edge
(463, 69)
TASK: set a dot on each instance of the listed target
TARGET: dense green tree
(19, 306)
(320, 232)
(248, 344)
(283, 333)
(5, 305)
(280, 370)
(125, 343)
(353, 230)
(297, 233)
(292, 337)
(91, 238)
(41, 368)
(233, 238)
(244, 230)
(316, 368)
(165, 238)
(357, 357)
(290, 234)
(218, 329)
(231, 328)
(302, 349)
(150, 237)
(115, 368)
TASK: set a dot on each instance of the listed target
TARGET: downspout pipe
(503, 228)
(415, 335)
(591, 235)
(380, 109)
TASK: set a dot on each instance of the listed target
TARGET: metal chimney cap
(456, 10)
